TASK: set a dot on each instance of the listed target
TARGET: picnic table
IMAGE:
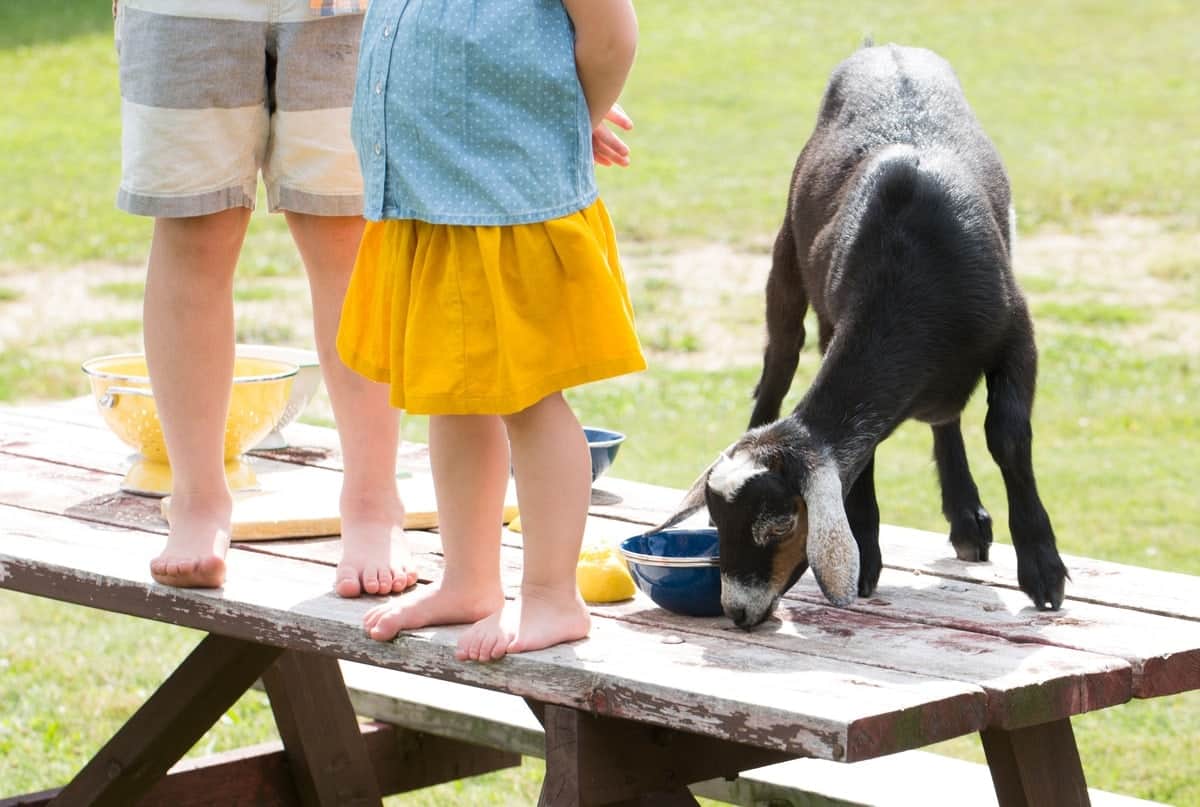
(648, 704)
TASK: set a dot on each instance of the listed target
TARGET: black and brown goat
(898, 234)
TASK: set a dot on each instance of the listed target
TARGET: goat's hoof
(870, 567)
(1042, 575)
(971, 535)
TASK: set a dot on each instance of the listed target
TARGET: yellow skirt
(464, 320)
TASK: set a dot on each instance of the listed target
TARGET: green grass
(27, 376)
(1087, 313)
(249, 294)
(1086, 101)
(1092, 104)
(93, 329)
(130, 291)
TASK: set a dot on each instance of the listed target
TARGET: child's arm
(605, 42)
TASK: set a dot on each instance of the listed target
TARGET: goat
(898, 234)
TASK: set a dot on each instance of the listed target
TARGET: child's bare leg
(553, 470)
(188, 322)
(375, 556)
(469, 455)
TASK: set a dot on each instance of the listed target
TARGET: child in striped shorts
(213, 94)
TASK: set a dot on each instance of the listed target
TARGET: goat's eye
(780, 530)
(773, 530)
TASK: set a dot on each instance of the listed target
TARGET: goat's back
(886, 96)
(899, 207)
(886, 106)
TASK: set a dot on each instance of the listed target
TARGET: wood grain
(760, 696)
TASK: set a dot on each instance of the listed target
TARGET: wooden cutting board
(303, 503)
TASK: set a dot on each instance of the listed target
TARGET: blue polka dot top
(470, 112)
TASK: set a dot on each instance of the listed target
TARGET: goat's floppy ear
(832, 550)
(692, 501)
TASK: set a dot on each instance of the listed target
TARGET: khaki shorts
(213, 92)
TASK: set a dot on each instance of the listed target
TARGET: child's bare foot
(435, 604)
(375, 556)
(375, 560)
(194, 556)
(535, 620)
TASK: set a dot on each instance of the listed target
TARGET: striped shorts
(215, 92)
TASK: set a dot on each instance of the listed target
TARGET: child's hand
(607, 148)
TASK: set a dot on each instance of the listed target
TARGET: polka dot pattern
(470, 112)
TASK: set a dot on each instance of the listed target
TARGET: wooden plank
(320, 733)
(295, 500)
(504, 721)
(593, 760)
(330, 760)
(466, 713)
(1095, 581)
(760, 696)
(899, 780)
(1036, 765)
(78, 492)
(261, 775)
(304, 502)
(171, 721)
(79, 437)
(1024, 684)
(500, 720)
(257, 774)
(1164, 653)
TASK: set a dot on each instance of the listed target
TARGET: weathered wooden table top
(944, 648)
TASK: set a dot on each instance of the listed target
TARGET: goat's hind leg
(970, 523)
(786, 306)
(1040, 571)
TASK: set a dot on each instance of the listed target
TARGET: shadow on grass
(34, 22)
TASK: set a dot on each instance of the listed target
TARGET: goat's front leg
(1040, 571)
(786, 306)
(862, 511)
(970, 524)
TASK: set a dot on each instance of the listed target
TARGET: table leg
(327, 757)
(176, 716)
(320, 733)
(594, 760)
(1037, 765)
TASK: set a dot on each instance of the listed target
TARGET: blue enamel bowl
(603, 444)
(678, 569)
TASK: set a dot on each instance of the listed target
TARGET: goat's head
(777, 506)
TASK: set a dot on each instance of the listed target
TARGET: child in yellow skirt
(488, 281)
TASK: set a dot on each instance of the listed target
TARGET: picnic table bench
(647, 705)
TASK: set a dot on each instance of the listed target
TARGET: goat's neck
(851, 407)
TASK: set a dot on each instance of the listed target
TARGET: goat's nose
(738, 614)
